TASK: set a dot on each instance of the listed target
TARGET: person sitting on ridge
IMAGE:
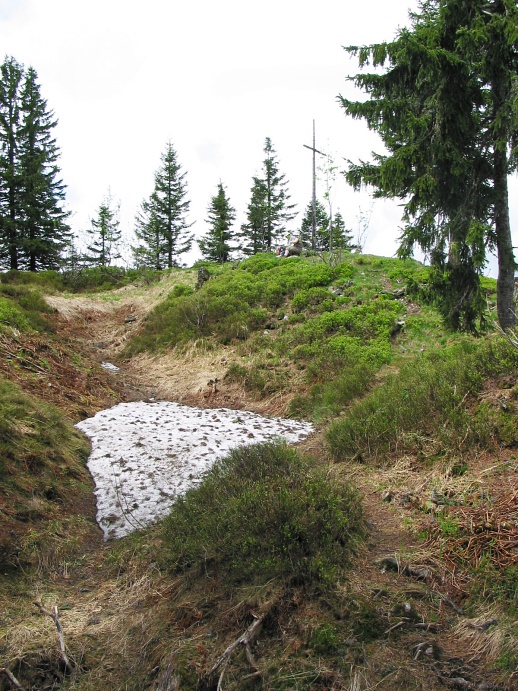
(294, 249)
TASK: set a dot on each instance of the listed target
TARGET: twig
(449, 602)
(396, 626)
(14, 681)
(482, 627)
(55, 618)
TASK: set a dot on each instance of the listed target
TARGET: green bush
(45, 280)
(11, 315)
(264, 512)
(310, 298)
(231, 304)
(428, 398)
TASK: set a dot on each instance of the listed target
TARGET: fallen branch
(482, 627)
(55, 618)
(14, 681)
(449, 602)
(244, 640)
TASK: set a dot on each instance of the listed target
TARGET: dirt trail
(102, 325)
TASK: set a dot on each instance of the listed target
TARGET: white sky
(216, 78)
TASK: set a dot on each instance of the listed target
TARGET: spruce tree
(322, 227)
(150, 250)
(33, 228)
(215, 246)
(45, 231)
(11, 73)
(342, 236)
(253, 232)
(161, 226)
(105, 235)
(279, 212)
(446, 110)
(269, 210)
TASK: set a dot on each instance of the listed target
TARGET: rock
(429, 649)
(388, 564)
(409, 499)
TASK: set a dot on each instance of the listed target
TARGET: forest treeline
(443, 96)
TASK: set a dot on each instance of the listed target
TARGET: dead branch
(395, 626)
(244, 640)
(14, 681)
(448, 602)
(482, 627)
(61, 637)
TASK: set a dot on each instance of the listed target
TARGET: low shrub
(429, 397)
(24, 309)
(264, 512)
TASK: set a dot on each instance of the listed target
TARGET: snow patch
(110, 367)
(145, 454)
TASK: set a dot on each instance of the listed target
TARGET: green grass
(42, 467)
(335, 323)
(264, 512)
(428, 399)
(23, 308)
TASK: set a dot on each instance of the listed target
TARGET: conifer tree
(253, 232)
(342, 236)
(215, 246)
(447, 112)
(33, 228)
(45, 231)
(322, 226)
(151, 248)
(161, 226)
(269, 210)
(11, 76)
(105, 235)
(279, 212)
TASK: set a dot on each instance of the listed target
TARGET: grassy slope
(425, 423)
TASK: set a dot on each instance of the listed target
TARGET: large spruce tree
(33, 228)
(161, 225)
(446, 109)
(216, 246)
(269, 211)
(45, 230)
(11, 73)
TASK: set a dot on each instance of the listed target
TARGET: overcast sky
(215, 78)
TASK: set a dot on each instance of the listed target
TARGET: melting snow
(109, 366)
(146, 454)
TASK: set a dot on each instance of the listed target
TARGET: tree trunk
(504, 243)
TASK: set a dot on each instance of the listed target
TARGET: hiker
(294, 249)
